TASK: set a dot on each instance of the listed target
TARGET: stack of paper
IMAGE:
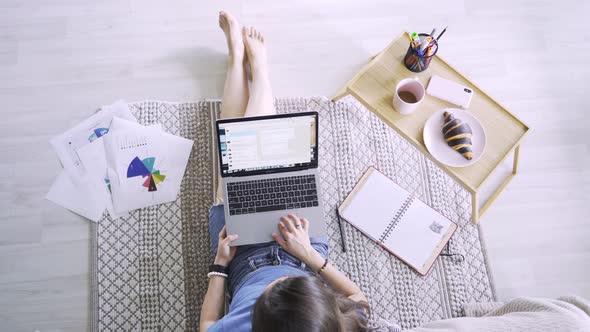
(111, 162)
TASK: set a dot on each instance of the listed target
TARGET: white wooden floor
(62, 59)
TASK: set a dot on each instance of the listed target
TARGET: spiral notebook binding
(398, 217)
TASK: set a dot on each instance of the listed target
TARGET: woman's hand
(225, 253)
(295, 238)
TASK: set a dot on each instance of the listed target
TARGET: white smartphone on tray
(449, 91)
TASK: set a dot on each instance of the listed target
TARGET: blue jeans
(250, 258)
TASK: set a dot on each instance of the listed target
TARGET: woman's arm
(334, 277)
(295, 240)
(212, 308)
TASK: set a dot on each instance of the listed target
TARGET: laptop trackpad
(258, 227)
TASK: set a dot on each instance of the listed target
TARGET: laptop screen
(267, 144)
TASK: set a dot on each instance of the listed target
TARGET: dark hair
(302, 304)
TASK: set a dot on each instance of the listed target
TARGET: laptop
(269, 168)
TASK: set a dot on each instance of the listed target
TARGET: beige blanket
(564, 314)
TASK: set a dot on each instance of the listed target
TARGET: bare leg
(235, 90)
(261, 101)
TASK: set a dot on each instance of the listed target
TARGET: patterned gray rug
(149, 269)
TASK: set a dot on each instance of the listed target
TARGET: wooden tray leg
(501, 188)
(474, 207)
(515, 162)
(343, 92)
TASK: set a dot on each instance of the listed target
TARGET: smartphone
(449, 91)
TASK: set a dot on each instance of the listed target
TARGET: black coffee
(407, 96)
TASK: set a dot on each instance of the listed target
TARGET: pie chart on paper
(145, 169)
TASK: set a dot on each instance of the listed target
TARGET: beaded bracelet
(219, 274)
(323, 267)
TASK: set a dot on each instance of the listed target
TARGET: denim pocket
(290, 260)
(321, 248)
(262, 258)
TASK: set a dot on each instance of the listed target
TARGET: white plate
(439, 149)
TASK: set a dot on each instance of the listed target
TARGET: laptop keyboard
(272, 194)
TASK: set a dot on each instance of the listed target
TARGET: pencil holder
(417, 59)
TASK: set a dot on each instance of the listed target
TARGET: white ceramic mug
(408, 86)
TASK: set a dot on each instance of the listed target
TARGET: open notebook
(397, 221)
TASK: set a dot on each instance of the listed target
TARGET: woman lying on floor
(287, 285)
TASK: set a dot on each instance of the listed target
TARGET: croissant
(458, 135)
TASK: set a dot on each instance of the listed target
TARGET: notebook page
(375, 204)
(416, 236)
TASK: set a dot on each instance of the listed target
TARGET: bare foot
(260, 101)
(255, 50)
(231, 28)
